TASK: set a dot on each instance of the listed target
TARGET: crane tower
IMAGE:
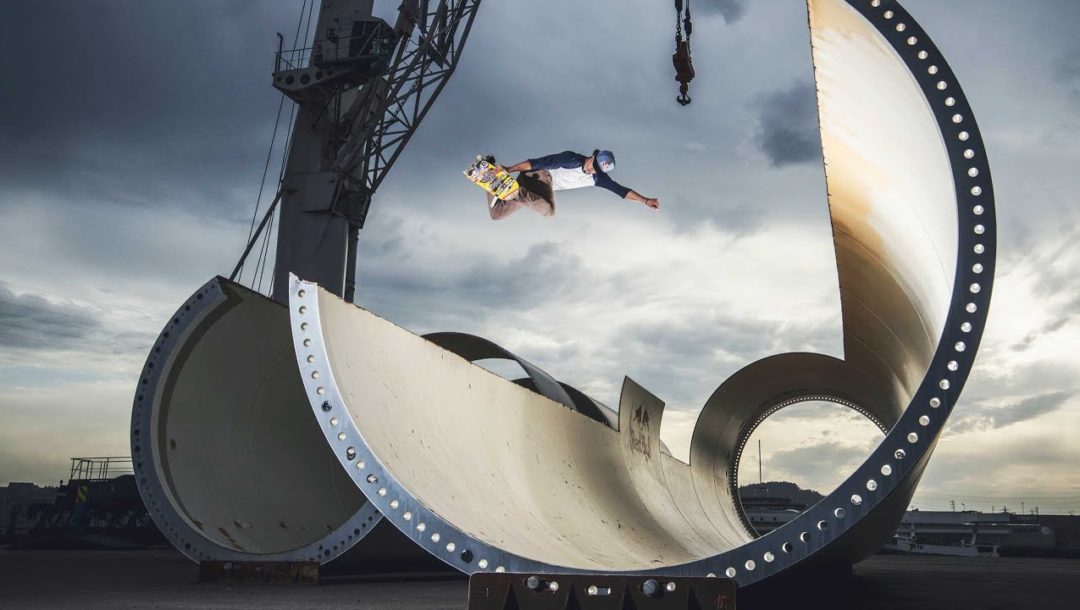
(361, 88)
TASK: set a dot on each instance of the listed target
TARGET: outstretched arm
(633, 195)
(604, 181)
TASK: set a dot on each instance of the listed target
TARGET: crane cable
(306, 10)
(684, 65)
(264, 256)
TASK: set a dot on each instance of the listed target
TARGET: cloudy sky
(133, 135)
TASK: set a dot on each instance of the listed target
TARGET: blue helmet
(605, 161)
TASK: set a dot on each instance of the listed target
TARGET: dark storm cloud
(29, 320)
(1052, 262)
(33, 322)
(404, 291)
(788, 126)
(135, 102)
(1068, 68)
(991, 416)
(817, 460)
(741, 338)
(1029, 408)
(1060, 318)
(689, 358)
(730, 10)
(698, 340)
(820, 411)
(739, 220)
(543, 272)
(1044, 255)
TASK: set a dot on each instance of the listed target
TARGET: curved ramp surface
(489, 476)
(473, 348)
(229, 461)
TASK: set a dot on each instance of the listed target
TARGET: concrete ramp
(489, 476)
(267, 432)
(459, 455)
(229, 461)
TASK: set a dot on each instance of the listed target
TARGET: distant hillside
(776, 492)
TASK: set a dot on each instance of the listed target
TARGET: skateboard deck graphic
(490, 178)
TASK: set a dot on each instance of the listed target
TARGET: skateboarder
(541, 177)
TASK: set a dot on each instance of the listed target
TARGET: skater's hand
(499, 167)
(653, 203)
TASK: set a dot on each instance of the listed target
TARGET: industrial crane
(361, 90)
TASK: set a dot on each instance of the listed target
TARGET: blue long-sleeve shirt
(567, 172)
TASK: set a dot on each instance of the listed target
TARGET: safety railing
(99, 468)
(373, 39)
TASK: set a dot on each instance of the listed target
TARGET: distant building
(777, 495)
(19, 507)
(98, 507)
(770, 505)
(1012, 534)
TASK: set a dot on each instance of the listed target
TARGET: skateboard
(484, 174)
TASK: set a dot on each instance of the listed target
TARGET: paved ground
(162, 579)
(892, 582)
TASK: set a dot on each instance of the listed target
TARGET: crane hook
(681, 59)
